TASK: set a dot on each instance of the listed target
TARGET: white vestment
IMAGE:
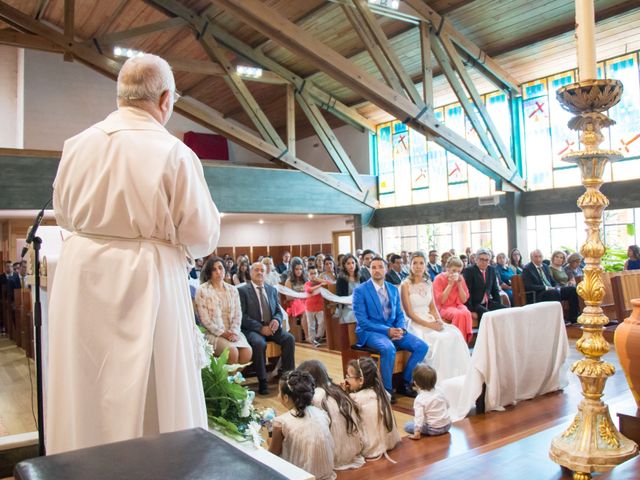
(122, 362)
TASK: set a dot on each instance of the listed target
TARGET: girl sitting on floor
(343, 415)
(431, 409)
(302, 436)
(379, 429)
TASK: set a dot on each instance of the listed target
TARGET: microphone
(34, 228)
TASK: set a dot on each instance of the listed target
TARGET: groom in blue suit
(381, 326)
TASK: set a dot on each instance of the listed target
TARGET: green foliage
(613, 259)
(224, 399)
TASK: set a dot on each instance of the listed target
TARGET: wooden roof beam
(322, 99)
(14, 38)
(185, 106)
(115, 37)
(69, 15)
(484, 63)
(388, 51)
(269, 22)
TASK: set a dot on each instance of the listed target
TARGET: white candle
(586, 39)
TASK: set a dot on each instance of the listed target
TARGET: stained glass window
(625, 134)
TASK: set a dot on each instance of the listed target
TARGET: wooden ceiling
(499, 27)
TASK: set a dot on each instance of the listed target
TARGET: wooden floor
(15, 390)
(498, 445)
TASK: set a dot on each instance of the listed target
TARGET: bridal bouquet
(230, 406)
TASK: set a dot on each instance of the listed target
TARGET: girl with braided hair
(302, 436)
(344, 417)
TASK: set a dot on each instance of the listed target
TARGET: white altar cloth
(520, 353)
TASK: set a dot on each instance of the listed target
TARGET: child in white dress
(364, 384)
(343, 414)
(431, 409)
(302, 436)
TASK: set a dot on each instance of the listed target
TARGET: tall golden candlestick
(592, 442)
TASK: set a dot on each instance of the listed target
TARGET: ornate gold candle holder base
(592, 442)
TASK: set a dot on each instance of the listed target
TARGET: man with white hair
(541, 287)
(122, 339)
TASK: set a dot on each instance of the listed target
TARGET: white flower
(203, 349)
(253, 429)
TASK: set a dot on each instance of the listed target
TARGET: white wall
(354, 142)
(63, 98)
(304, 231)
(11, 72)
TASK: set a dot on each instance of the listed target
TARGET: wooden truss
(397, 94)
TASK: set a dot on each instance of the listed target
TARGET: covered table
(520, 353)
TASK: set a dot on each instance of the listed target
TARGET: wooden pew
(624, 287)
(349, 351)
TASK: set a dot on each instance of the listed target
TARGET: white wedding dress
(448, 352)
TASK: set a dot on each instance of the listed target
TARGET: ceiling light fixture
(261, 221)
(393, 4)
(126, 52)
(310, 215)
(252, 72)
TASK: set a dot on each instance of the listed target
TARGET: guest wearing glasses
(484, 294)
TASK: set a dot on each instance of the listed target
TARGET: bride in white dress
(448, 352)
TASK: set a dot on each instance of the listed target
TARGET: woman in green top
(559, 274)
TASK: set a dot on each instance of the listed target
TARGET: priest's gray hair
(144, 77)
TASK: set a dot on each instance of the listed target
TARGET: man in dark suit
(541, 287)
(4, 292)
(395, 275)
(284, 266)
(262, 323)
(17, 280)
(433, 267)
(365, 268)
(484, 294)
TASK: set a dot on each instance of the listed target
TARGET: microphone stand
(37, 318)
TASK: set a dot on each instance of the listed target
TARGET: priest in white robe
(122, 348)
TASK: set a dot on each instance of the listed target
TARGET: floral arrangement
(230, 408)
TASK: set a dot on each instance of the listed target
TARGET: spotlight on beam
(392, 4)
(246, 71)
(126, 52)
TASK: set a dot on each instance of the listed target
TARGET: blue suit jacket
(369, 314)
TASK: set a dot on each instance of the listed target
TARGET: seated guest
(484, 294)
(515, 261)
(573, 266)
(295, 281)
(504, 275)
(465, 261)
(381, 326)
(311, 261)
(559, 274)
(395, 275)
(328, 270)
(228, 266)
(284, 266)
(271, 276)
(365, 269)
(262, 323)
(433, 267)
(633, 262)
(242, 273)
(218, 307)
(195, 271)
(320, 261)
(450, 293)
(346, 283)
(444, 258)
(448, 350)
(17, 280)
(405, 262)
(541, 287)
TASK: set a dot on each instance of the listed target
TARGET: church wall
(10, 93)
(63, 98)
(304, 231)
